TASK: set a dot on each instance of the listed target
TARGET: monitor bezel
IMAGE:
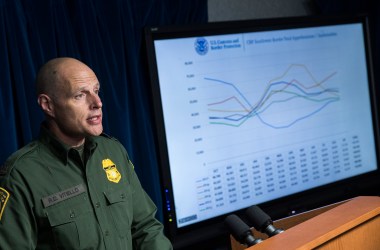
(364, 184)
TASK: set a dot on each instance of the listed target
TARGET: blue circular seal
(201, 46)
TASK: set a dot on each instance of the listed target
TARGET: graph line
(299, 90)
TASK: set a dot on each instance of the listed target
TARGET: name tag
(63, 195)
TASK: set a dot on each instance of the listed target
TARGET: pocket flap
(116, 196)
(68, 211)
(59, 216)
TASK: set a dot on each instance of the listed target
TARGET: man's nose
(95, 101)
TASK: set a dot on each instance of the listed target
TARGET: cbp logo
(201, 46)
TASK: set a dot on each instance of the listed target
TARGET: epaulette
(10, 162)
(4, 168)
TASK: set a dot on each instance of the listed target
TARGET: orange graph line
(272, 92)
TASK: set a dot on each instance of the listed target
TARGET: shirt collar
(60, 149)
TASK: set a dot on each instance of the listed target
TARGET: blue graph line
(254, 110)
(232, 85)
(296, 120)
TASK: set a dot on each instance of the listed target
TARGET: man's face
(77, 106)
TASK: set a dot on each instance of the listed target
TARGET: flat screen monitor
(278, 113)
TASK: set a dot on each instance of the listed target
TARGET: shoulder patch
(4, 196)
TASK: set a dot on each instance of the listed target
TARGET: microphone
(240, 230)
(261, 221)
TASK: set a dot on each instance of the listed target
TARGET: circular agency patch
(201, 46)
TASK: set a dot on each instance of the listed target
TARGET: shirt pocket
(73, 224)
(119, 204)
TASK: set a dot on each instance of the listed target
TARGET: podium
(352, 224)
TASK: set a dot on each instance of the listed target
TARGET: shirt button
(72, 215)
(122, 196)
(97, 205)
(107, 233)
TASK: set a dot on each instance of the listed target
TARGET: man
(74, 187)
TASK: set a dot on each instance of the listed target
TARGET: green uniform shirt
(51, 199)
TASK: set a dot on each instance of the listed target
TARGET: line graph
(282, 112)
(275, 100)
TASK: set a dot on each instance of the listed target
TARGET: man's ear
(46, 104)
